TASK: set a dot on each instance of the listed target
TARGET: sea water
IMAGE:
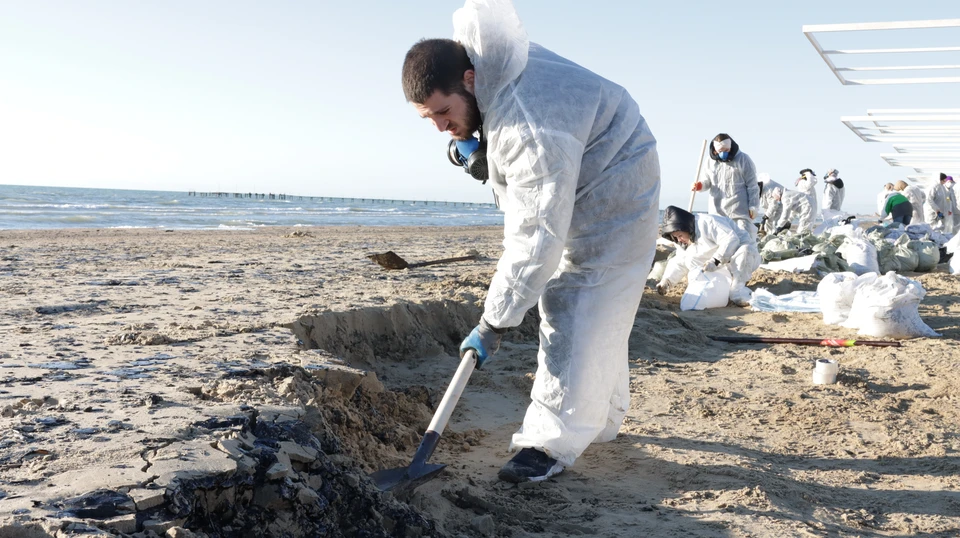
(26, 207)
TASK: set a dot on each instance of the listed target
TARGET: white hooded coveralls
(951, 219)
(575, 167)
(936, 201)
(917, 199)
(717, 237)
(832, 195)
(807, 184)
(732, 186)
(796, 204)
(770, 203)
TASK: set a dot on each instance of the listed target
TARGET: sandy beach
(244, 383)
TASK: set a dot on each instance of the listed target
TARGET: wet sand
(171, 367)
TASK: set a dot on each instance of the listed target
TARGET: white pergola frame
(810, 29)
(924, 139)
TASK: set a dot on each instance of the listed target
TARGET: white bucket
(825, 372)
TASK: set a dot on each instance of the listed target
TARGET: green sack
(908, 258)
(927, 253)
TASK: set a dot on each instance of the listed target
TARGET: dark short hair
(943, 176)
(431, 65)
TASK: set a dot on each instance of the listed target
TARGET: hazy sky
(305, 98)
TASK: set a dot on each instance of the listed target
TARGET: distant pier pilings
(280, 196)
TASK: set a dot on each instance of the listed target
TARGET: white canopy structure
(900, 73)
(926, 140)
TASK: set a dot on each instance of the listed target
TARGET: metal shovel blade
(404, 479)
(401, 479)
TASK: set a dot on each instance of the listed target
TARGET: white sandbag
(706, 290)
(887, 308)
(831, 218)
(952, 246)
(860, 254)
(836, 292)
(851, 229)
(925, 231)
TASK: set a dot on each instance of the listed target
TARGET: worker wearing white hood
(576, 171)
(833, 191)
(807, 184)
(730, 178)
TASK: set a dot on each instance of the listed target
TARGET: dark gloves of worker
(781, 228)
(939, 215)
(484, 339)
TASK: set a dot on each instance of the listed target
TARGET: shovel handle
(452, 396)
(445, 260)
(432, 436)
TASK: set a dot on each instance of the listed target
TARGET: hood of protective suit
(678, 220)
(502, 56)
(734, 149)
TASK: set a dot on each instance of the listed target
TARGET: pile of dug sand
(245, 383)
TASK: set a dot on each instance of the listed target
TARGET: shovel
(403, 480)
(390, 260)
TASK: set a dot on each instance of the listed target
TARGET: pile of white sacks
(882, 306)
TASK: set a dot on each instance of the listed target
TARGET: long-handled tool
(830, 342)
(390, 260)
(403, 480)
(693, 194)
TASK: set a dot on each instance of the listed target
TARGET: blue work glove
(939, 215)
(484, 339)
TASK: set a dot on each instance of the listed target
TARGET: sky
(304, 97)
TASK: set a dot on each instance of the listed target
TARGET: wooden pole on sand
(693, 194)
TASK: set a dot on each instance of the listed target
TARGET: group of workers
(737, 192)
(575, 168)
(908, 204)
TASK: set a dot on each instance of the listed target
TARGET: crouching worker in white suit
(711, 242)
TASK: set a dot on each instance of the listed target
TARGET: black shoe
(529, 465)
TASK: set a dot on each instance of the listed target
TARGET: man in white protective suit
(576, 171)
(769, 202)
(935, 205)
(795, 205)
(916, 197)
(807, 184)
(833, 191)
(730, 178)
(710, 242)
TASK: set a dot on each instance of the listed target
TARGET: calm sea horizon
(31, 207)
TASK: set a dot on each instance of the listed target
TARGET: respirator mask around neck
(471, 155)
